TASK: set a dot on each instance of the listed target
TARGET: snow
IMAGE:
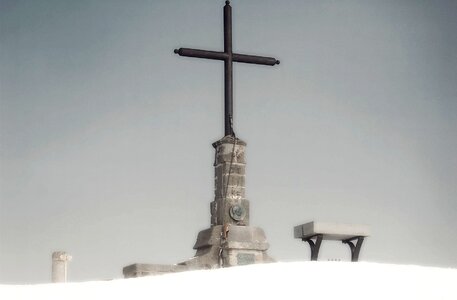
(298, 280)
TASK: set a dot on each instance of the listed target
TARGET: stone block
(231, 211)
(241, 245)
(235, 257)
(231, 192)
(227, 151)
(139, 270)
(238, 169)
(234, 180)
(331, 231)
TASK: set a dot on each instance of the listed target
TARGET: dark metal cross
(228, 57)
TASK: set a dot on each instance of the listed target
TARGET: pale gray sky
(106, 135)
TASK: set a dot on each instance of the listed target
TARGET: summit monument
(230, 240)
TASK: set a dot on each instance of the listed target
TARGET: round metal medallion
(237, 212)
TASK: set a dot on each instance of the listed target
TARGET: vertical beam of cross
(228, 57)
(228, 70)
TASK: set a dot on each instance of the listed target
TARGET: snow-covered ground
(299, 280)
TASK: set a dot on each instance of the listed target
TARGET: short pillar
(59, 266)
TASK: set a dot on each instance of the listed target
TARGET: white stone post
(59, 266)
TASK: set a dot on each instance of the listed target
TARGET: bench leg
(314, 245)
(355, 249)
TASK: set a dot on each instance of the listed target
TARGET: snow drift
(300, 280)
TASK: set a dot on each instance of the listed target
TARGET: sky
(105, 133)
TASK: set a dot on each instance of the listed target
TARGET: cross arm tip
(176, 51)
(278, 62)
(227, 2)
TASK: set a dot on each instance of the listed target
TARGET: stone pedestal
(231, 245)
(230, 205)
(230, 241)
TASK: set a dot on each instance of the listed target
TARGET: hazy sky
(106, 135)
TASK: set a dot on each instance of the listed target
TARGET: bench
(315, 232)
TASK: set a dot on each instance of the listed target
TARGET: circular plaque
(237, 212)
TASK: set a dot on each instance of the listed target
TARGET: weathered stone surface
(230, 205)
(219, 246)
(331, 231)
(236, 257)
(59, 266)
(228, 139)
(220, 209)
(138, 270)
(241, 234)
(229, 242)
(233, 192)
(224, 180)
(231, 155)
(237, 169)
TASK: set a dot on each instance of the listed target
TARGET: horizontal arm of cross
(250, 59)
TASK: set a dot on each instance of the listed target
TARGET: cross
(228, 57)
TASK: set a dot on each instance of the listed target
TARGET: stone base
(217, 247)
(227, 246)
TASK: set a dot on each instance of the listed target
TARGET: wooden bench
(315, 232)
